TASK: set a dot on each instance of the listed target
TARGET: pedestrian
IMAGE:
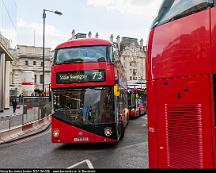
(14, 103)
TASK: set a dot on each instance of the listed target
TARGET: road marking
(88, 162)
(31, 138)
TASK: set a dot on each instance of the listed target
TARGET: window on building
(131, 78)
(34, 62)
(41, 79)
(134, 78)
(134, 71)
(35, 79)
(26, 62)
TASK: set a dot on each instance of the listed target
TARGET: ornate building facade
(133, 58)
(27, 71)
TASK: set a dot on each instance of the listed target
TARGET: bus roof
(84, 42)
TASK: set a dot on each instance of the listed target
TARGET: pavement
(9, 112)
(28, 133)
(14, 126)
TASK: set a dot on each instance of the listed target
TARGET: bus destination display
(81, 76)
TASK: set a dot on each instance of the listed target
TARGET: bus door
(104, 114)
(184, 131)
(118, 111)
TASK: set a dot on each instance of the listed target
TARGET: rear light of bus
(56, 133)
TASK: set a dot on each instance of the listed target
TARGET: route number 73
(97, 75)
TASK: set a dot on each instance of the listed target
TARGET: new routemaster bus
(88, 84)
(136, 100)
(181, 85)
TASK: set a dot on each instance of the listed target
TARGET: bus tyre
(128, 119)
(122, 132)
(140, 113)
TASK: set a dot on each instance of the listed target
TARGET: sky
(130, 18)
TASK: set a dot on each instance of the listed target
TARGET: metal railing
(29, 110)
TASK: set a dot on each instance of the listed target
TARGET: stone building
(7, 43)
(27, 73)
(133, 57)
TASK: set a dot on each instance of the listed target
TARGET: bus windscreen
(85, 106)
(82, 55)
(175, 9)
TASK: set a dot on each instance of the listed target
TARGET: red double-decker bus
(89, 93)
(181, 85)
(136, 100)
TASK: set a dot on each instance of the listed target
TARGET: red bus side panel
(181, 47)
(213, 37)
(213, 50)
(148, 58)
(152, 124)
(185, 139)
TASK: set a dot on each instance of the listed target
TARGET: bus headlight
(133, 110)
(56, 133)
(108, 131)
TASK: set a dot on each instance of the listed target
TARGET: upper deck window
(83, 54)
(175, 9)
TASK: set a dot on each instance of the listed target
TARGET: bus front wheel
(122, 131)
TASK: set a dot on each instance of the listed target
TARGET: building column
(2, 85)
(7, 85)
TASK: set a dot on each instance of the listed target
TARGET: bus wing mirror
(116, 91)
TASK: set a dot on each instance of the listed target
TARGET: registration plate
(81, 139)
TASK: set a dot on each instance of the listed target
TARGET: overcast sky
(130, 18)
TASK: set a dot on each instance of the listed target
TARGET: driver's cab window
(175, 9)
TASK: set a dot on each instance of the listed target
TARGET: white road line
(88, 162)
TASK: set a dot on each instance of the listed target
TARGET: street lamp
(44, 17)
